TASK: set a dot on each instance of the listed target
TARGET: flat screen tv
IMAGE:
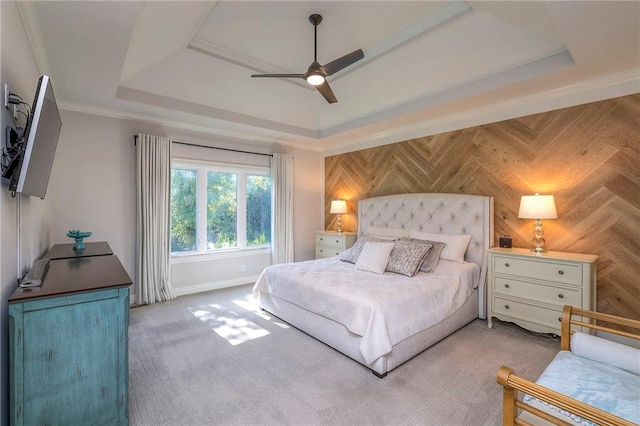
(31, 176)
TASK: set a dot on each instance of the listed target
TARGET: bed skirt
(338, 337)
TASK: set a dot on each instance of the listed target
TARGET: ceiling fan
(317, 74)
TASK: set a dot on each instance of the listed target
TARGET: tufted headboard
(437, 213)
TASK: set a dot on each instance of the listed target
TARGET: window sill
(222, 254)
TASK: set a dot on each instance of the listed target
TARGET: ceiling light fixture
(315, 79)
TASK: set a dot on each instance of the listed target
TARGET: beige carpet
(212, 358)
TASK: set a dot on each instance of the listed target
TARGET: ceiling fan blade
(279, 75)
(343, 62)
(326, 91)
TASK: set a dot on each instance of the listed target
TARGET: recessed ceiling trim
(552, 63)
(452, 11)
(236, 58)
(143, 97)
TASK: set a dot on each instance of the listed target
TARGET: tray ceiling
(428, 67)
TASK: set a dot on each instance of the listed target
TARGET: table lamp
(338, 207)
(537, 207)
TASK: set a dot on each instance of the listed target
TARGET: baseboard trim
(214, 285)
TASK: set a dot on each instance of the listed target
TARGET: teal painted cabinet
(69, 345)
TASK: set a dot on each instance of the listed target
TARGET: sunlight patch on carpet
(228, 324)
(250, 303)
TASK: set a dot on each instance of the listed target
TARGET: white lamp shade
(537, 207)
(338, 207)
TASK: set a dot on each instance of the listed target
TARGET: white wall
(93, 189)
(20, 72)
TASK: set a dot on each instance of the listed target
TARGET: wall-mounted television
(31, 176)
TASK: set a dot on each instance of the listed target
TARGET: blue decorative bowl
(79, 236)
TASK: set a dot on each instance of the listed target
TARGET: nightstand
(530, 289)
(332, 243)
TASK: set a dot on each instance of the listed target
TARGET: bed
(383, 320)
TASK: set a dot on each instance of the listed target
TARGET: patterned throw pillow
(351, 255)
(407, 256)
(374, 256)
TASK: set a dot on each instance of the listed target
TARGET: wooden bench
(517, 412)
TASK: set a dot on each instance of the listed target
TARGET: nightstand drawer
(322, 252)
(567, 273)
(328, 241)
(529, 313)
(541, 292)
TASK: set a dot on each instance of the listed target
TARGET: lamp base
(538, 241)
(339, 230)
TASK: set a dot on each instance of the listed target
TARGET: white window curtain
(282, 179)
(153, 219)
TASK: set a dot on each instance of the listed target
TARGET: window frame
(202, 168)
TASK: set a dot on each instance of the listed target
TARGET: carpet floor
(215, 359)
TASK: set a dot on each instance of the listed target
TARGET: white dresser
(332, 243)
(530, 289)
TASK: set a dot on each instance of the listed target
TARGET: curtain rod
(135, 139)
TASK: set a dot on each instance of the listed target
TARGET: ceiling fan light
(315, 79)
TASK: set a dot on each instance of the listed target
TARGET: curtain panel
(153, 219)
(282, 178)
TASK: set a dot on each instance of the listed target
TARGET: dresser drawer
(322, 251)
(545, 269)
(535, 291)
(541, 315)
(330, 241)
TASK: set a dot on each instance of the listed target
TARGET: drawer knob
(506, 306)
(506, 286)
(559, 319)
(321, 250)
(561, 296)
(561, 272)
(321, 239)
(506, 265)
(337, 241)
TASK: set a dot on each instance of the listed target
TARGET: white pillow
(456, 244)
(387, 232)
(606, 351)
(374, 256)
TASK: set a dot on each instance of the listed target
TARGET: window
(218, 207)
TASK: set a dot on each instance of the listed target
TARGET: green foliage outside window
(222, 210)
(183, 210)
(258, 210)
(217, 221)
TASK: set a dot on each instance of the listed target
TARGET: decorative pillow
(456, 244)
(351, 255)
(378, 231)
(407, 256)
(431, 261)
(374, 256)
(606, 351)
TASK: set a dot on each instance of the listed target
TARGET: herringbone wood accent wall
(588, 156)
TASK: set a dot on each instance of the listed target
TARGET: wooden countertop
(64, 251)
(66, 276)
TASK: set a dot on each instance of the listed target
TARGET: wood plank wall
(588, 156)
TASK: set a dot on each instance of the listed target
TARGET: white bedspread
(383, 309)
